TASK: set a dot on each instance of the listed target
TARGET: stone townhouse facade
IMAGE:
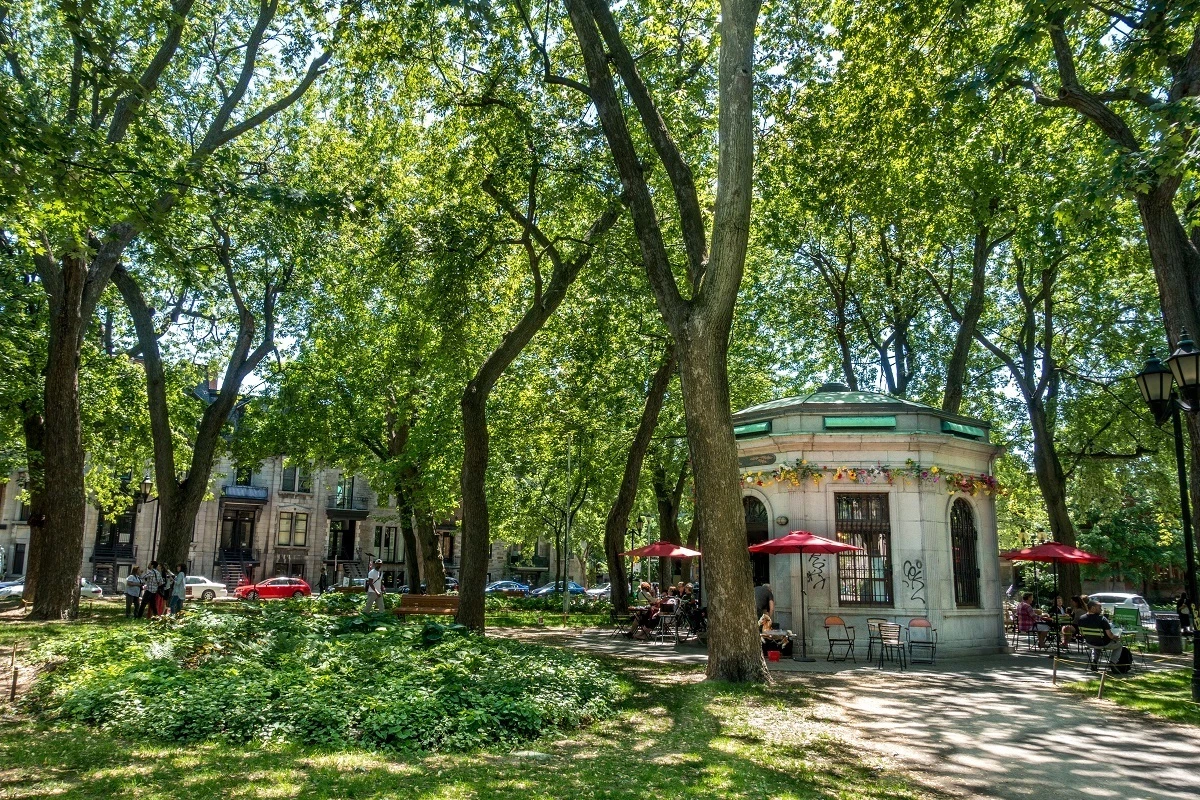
(260, 521)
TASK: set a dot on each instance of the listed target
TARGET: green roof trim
(866, 421)
(963, 430)
(751, 429)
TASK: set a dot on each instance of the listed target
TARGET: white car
(198, 588)
(87, 589)
(1110, 600)
(600, 592)
(201, 588)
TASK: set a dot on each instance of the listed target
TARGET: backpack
(1123, 662)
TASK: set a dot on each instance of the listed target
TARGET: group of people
(1084, 614)
(154, 590)
(651, 605)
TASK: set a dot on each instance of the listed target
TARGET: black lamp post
(1155, 381)
(144, 496)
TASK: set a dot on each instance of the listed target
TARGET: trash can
(1170, 634)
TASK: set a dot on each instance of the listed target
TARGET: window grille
(964, 539)
(864, 578)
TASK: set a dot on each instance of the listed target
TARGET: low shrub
(282, 672)
(551, 602)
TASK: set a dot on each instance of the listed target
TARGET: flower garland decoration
(796, 474)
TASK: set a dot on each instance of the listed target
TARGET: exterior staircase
(354, 569)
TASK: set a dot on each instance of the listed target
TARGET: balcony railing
(115, 552)
(358, 502)
(256, 494)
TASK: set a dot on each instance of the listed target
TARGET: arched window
(757, 530)
(964, 539)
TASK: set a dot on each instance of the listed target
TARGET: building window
(387, 544)
(297, 478)
(293, 529)
(447, 547)
(242, 476)
(963, 543)
(864, 578)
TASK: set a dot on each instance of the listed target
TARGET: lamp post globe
(1155, 381)
(1185, 368)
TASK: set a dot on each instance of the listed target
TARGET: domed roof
(836, 395)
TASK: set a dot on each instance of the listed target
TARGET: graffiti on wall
(815, 574)
(914, 580)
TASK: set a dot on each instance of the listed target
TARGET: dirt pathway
(991, 727)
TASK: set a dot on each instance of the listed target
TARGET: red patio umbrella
(802, 542)
(664, 549)
(1053, 553)
(661, 549)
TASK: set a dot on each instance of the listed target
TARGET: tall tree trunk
(34, 429)
(476, 535)
(734, 650)
(476, 544)
(433, 570)
(700, 325)
(408, 536)
(1052, 482)
(689, 564)
(617, 523)
(180, 499)
(956, 370)
(666, 500)
(59, 557)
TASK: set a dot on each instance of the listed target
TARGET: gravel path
(988, 727)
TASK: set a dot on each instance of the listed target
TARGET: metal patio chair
(891, 644)
(922, 637)
(839, 635)
(873, 635)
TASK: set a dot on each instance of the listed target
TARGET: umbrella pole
(803, 620)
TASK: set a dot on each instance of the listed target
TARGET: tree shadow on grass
(673, 736)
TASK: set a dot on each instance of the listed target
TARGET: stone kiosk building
(910, 484)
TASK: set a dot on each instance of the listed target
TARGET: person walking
(1183, 606)
(178, 590)
(133, 591)
(151, 581)
(375, 587)
(323, 582)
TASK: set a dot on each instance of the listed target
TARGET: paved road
(994, 728)
(989, 727)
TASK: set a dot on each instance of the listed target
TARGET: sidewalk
(991, 727)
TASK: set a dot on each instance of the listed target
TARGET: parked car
(273, 588)
(1110, 600)
(201, 588)
(505, 586)
(556, 586)
(12, 588)
(89, 590)
(451, 586)
(198, 588)
(600, 592)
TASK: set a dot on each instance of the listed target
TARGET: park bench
(423, 604)
(511, 593)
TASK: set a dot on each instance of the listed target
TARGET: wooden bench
(511, 593)
(349, 589)
(421, 604)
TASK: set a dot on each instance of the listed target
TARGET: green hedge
(552, 602)
(281, 672)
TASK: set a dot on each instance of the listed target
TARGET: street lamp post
(1155, 382)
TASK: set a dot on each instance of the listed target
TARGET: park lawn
(673, 736)
(1162, 694)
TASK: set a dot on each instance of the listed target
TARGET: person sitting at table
(687, 593)
(1107, 641)
(1030, 620)
(1059, 608)
(772, 637)
(645, 593)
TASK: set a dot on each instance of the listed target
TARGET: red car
(273, 588)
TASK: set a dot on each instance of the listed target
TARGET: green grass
(1162, 694)
(548, 619)
(673, 736)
